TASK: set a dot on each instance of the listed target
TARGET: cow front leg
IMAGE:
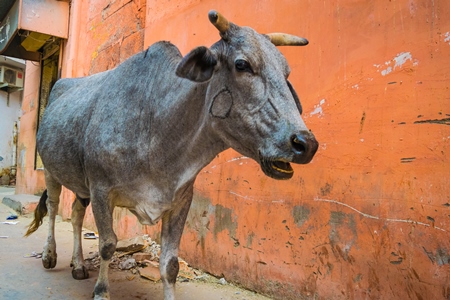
(49, 256)
(79, 270)
(107, 242)
(172, 228)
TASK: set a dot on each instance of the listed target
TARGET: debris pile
(140, 256)
(7, 177)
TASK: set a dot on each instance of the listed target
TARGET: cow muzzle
(303, 146)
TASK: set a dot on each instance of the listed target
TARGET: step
(22, 203)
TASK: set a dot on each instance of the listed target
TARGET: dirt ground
(24, 277)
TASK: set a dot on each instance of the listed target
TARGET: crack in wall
(378, 218)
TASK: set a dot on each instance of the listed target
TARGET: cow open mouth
(277, 169)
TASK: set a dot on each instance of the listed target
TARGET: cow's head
(252, 105)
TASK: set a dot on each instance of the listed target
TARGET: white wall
(8, 115)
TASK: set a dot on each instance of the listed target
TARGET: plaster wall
(10, 112)
(29, 180)
(369, 217)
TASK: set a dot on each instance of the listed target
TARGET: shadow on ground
(24, 277)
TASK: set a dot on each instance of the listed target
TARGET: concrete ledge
(23, 204)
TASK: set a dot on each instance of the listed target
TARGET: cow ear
(198, 65)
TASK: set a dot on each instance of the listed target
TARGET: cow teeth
(282, 167)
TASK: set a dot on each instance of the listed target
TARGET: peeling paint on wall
(401, 58)
(447, 37)
(318, 109)
(397, 62)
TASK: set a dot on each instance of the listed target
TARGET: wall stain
(441, 257)
(342, 235)
(396, 258)
(300, 214)
(415, 274)
(445, 121)
(407, 160)
(198, 218)
(419, 297)
(338, 218)
(323, 256)
(250, 237)
(326, 190)
(446, 292)
(374, 283)
(361, 123)
(224, 221)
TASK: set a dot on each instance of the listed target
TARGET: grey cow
(138, 135)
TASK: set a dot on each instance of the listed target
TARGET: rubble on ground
(140, 256)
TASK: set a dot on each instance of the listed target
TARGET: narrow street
(24, 277)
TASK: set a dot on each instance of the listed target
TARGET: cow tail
(39, 213)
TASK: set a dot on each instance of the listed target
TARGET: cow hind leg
(49, 256)
(79, 270)
(172, 228)
(107, 241)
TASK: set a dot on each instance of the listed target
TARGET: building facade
(11, 85)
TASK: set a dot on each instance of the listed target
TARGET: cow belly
(146, 218)
(146, 213)
(143, 201)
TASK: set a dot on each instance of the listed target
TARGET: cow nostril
(298, 143)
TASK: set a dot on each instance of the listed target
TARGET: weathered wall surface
(10, 108)
(29, 181)
(369, 217)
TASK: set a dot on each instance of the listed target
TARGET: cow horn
(219, 21)
(284, 39)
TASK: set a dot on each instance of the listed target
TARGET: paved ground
(25, 278)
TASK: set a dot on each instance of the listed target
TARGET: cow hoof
(49, 262)
(80, 273)
(101, 297)
(101, 291)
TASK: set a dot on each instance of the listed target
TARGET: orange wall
(369, 217)
(29, 181)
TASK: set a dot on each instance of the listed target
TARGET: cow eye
(243, 66)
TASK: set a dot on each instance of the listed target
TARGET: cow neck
(192, 142)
